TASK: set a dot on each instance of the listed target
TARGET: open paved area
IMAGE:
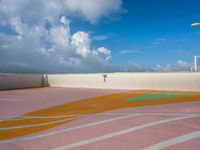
(94, 119)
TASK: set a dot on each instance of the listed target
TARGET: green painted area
(159, 95)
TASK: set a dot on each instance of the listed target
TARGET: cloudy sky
(60, 36)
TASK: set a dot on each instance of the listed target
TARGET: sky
(73, 36)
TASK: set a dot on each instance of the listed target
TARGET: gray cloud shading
(31, 46)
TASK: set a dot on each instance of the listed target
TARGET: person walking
(104, 77)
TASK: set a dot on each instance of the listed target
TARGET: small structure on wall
(197, 63)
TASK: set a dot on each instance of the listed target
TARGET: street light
(196, 58)
(195, 25)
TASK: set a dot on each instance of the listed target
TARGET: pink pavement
(133, 140)
(191, 144)
(86, 133)
(17, 102)
(147, 136)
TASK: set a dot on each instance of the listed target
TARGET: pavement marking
(121, 132)
(34, 117)
(174, 141)
(36, 125)
(66, 130)
(86, 115)
(10, 100)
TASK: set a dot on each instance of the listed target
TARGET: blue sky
(98, 35)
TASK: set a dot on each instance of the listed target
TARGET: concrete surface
(188, 81)
(17, 102)
(18, 81)
(112, 130)
(134, 81)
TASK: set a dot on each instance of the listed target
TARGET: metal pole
(195, 57)
(195, 63)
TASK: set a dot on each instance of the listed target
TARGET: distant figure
(104, 77)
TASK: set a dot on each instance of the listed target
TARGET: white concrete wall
(132, 81)
(157, 81)
(16, 81)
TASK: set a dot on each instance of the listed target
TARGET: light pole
(196, 58)
(195, 25)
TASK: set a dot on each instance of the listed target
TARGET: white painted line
(85, 115)
(34, 117)
(10, 100)
(36, 125)
(121, 132)
(66, 130)
(174, 141)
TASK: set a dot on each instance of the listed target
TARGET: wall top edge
(102, 73)
(128, 73)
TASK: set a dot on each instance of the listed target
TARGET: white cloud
(135, 67)
(179, 66)
(64, 21)
(36, 10)
(159, 41)
(164, 68)
(81, 42)
(59, 36)
(129, 51)
(103, 52)
(93, 10)
(31, 11)
(183, 65)
(100, 37)
(53, 48)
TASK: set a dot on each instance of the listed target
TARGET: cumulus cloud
(164, 68)
(183, 65)
(179, 66)
(104, 53)
(37, 10)
(54, 48)
(93, 10)
(135, 67)
(81, 42)
(41, 39)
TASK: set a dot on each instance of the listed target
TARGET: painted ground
(89, 119)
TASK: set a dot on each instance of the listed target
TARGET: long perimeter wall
(18, 81)
(133, 81)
